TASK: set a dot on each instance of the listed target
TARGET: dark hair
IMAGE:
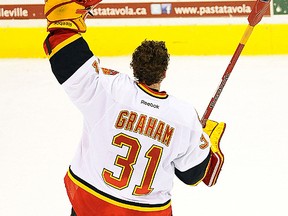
(150, 61)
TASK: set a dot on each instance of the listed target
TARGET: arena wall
(23, 29)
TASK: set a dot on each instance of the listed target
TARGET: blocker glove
(68, 14)
(215, 131)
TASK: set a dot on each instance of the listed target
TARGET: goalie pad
(68, 14)
(215, 131)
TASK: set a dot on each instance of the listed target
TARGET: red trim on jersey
(88, 204)
(57, 37)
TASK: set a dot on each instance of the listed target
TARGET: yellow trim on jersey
(64, 43)
(114, 202)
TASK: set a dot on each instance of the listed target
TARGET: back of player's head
(150, 61)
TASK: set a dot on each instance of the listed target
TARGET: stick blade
(258, 11)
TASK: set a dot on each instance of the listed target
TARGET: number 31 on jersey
(127, 162)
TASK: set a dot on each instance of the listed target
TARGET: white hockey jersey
(134, 138)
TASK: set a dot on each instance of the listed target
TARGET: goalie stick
(254, 18)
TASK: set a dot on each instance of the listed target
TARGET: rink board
(266, 39)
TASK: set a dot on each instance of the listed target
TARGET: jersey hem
(113, 200)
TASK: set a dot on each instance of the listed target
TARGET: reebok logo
(156, 106)
(63, 23)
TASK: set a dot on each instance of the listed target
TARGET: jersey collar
(151, 92)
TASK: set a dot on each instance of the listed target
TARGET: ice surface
(40, 128)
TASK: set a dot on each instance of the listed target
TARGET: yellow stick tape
(247, 34)
(266, 39)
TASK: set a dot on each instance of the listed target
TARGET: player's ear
(164, 74)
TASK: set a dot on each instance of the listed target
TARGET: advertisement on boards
(153, 9)
(280, 7)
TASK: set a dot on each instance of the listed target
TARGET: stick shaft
(227, 73)
(258, 11)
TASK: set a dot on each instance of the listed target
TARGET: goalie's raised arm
(65, 22)
(68, 53)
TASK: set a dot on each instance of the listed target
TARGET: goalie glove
(215, 131)
(68, 14)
